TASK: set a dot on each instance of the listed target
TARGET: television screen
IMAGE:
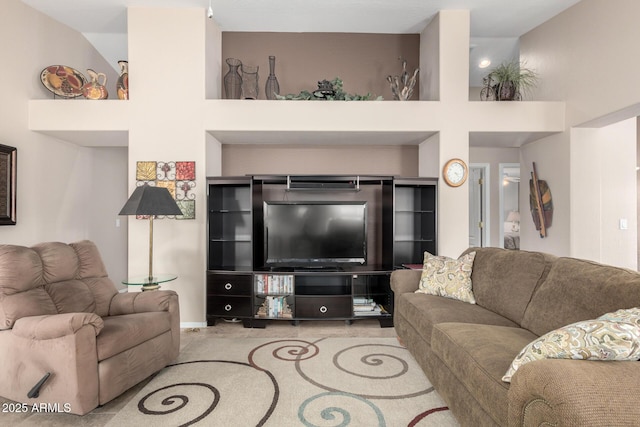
(315, 233)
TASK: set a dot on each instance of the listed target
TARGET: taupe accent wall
(240, 159)
(362, 61)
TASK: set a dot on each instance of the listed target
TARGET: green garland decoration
(340, 95)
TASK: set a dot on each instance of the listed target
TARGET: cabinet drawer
(229, 284)
(229, 306)
(324, 307)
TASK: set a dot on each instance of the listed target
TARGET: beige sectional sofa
(61, 314)
(465, 349)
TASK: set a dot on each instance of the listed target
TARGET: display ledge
(89, 123)
(106, 122)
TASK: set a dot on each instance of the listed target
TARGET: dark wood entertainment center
(401, 224)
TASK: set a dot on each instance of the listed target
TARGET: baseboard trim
(185, 325)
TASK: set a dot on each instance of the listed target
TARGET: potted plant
(510, 80)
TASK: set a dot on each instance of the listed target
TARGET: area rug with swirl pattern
(289, 382)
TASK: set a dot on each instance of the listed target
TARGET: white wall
(450, 34)
(167, 84)
(108, 184)
(586, 57)
(243, 159)
(55, 178)
(599, 198)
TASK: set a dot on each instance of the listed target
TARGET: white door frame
(486, 198)
(501, 168)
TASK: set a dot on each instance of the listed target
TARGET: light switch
(623, 224)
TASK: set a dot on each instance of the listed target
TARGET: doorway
(478, 205)
(509, 205)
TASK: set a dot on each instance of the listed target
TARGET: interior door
(476, 208)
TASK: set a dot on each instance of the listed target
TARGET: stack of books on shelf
(274, 307)
(274, 284)
(366, 307)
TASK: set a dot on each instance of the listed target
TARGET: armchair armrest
(405, 281)
(575, 392)
(141, 302)
(55, 325)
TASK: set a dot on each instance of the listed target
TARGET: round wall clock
(455, 172)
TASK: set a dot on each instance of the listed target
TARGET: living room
(77, 160)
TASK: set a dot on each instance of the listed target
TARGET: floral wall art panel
(179, 177)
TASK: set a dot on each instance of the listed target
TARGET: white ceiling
(495, 24)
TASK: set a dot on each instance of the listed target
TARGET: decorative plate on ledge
(63, 81)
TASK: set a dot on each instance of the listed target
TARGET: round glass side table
(149, 283)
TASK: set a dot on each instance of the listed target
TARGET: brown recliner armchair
(61, 315)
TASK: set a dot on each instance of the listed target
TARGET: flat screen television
(315, 234)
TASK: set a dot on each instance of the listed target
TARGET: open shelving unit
(415, 221)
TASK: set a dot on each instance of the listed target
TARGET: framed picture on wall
(8, 175)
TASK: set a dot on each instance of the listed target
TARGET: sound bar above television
(322, 183)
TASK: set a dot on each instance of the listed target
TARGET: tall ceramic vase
(272, 87)
(249, 82)
(233, 79)
(122, 85)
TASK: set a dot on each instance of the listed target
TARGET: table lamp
(514, 219)
(151, 201)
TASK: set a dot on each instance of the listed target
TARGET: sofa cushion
(578, 290)
(613, 336)
(123, 332)
(425, 311)
(21, 291)
(448, 277)
(478, 355)
(504, 280)
(71, 296)
(93, 273)
(52, 278)
(59, 261)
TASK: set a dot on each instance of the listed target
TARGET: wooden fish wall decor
(540, 202)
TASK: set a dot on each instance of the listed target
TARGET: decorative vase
(249, 82)
(402, 85)
(95, 89)
(122, 85)
(233, 79)
(272, 87)
(507, 91)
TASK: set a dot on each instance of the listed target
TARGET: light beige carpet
(289, 382)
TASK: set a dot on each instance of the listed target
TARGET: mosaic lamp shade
(147, 200)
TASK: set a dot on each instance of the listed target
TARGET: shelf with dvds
(273, 296)
(372, 297)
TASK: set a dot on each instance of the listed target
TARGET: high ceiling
(495, 24)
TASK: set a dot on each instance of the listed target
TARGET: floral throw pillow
(625, 315)
(612, 336)
(448, 277)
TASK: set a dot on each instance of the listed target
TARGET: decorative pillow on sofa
(612, 336)
(625, 315)
(448, 277)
